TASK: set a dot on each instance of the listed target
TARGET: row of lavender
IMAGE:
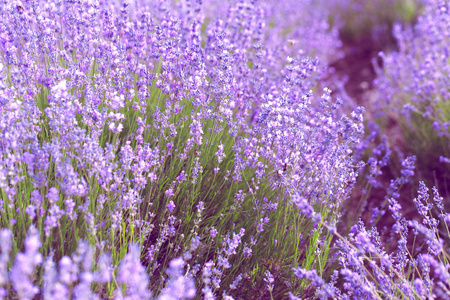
(174, 139)
(180, 150)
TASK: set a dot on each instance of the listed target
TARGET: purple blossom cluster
(372, 268)
(411, 92)
(413, 85)
(414, 80)
(74, 277)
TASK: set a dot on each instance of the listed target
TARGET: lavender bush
(413, 263)
(412, 90)
(168, 150)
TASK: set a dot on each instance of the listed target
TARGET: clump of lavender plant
(372, 268)
(79, 277)
(193, 136)
(412, 89)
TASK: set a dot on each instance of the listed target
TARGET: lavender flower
(133, 276)
(24, 266)
(178, 287)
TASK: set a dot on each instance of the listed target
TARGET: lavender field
(235, 149)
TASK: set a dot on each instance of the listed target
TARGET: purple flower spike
(24, 266)
(171, 206)
(133, 275)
